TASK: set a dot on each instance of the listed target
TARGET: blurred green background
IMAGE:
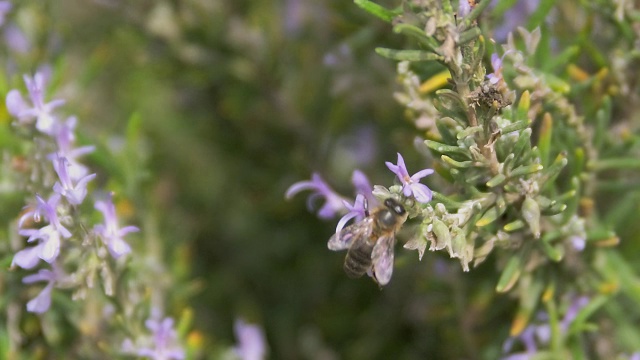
(224, 104)
(238, 100)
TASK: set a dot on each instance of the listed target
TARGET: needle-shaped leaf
(448, 149)
(376, 10)
(457, 164)
(408, 55)
(544, 139)
(531, 215)
(553, 252)
(510, 274)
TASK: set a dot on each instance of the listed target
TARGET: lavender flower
(47, 249)
(27, 258)
(542, 331)
(49, 209)
(41, 303)
(578, 242)
(411, 184)
(463, 8)
(496, 64)
(333, 201)
(110, 232)
(41, 111)
(75, 194)
(16, 40)
(576, 305)
(516, 16)
(5, 7)
(163, 345)
(65, 137)
(357, 210)
(251, 341)
(363, 186)
(528, 339)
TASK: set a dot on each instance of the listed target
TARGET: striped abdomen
(358, 259)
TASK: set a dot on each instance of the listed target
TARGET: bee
(370, 242)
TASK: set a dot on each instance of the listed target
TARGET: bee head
(394, 206)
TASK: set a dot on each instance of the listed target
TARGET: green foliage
(203, 113)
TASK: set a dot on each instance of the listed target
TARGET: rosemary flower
(333, 201)
(411, 184)
(110, 232)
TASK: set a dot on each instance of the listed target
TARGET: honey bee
(370, 242)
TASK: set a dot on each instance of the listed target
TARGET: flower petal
(343, 221)
(421, 192)
(327, 211)
(128, 229)
(251, 341)
(361, 183)
(42, 302)
(420, 174)
(392, 167)
(51, 248)
(118, 247)
(27, 258)
(298, 187)
(402, 168)
(15, 103)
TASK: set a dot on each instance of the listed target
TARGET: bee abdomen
(358, 261)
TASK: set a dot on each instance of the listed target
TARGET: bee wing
(382, 256)
(342, 240)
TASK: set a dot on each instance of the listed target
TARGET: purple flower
(333, 201)
(75, 194)
(251, 341)
(463, 9)
(16, 39)
(357, 210)
(5, 7)
(578, 242)
(528, 338)
(496, 64)
(363, 186)
(163, 345)
(27, 258)
(41, 303)
(516, 16)
(65, 137)
(47, 249)
(576, 305)
(411, 184)
(110, 232)
(540, 333)
(49, 210)
(41, 111)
